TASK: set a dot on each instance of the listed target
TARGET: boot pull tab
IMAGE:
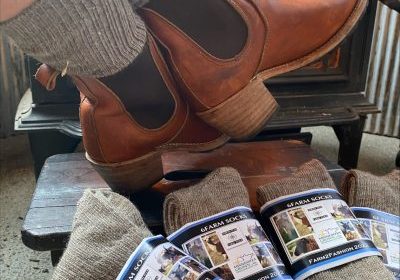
(47, 76)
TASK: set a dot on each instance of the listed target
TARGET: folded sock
(313, 175)
(221, 190)
(96, 38)
(106, 230)
(379, 192)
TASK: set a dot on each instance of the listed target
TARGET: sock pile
(107, 229)
(221, 190)
(313, 175)
(379, 192)
(97, 38)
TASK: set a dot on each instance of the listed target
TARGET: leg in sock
(95, 38)
(107, 228)
(310, 176)
(100, 38)
(221, 190)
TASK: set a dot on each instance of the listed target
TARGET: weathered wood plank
(65, 177)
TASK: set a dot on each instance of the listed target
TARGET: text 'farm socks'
(107, 228)
(313, 175)
(96, 38)
(221, 190)
(379, 192)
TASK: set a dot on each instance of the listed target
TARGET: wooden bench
(64, 178)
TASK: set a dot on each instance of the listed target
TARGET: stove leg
(48, 143)
(56, 256)
(350, 136)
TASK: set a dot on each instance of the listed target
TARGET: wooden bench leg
(350, 137)
(48, 143)
(56, 256)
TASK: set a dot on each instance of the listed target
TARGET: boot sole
(141, 173)
(246, 113)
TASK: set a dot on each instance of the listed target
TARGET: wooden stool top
(64, 178)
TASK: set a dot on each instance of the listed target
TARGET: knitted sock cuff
(380, 192)
(311, 175)
(221, 190)
(106, 230)
(96, 38)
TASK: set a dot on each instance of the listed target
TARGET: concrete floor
(17, 185)
(377, 154)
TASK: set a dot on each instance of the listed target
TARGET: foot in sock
(313, 175)
(379, 192)
(107, 228)
(85, 35)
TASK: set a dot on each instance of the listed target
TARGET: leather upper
(209, 80)
(279, 32)
(47, 77)
(298, 27)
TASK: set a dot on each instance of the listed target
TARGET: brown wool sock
(97, 38)
(313, 175)
(379, 192)
(107, 229)
(221, 190)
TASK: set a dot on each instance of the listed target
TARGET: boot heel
(131, 176)
(244, 114)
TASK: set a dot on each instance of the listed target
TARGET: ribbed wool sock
(221, 190)
(96, 38)
(106, 230)
(379, 192)
(313, 175)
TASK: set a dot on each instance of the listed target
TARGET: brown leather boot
(130, 118)
(221, 51)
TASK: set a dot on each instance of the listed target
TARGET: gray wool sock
(380, 192)
(107, 229)
(313, 175)
(221, 190)
(96, 38)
